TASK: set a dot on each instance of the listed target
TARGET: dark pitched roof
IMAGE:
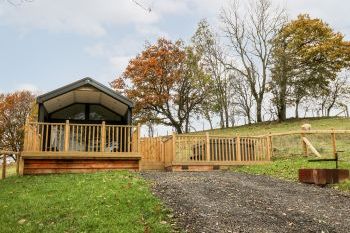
(80, 83)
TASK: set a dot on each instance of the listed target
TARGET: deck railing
(67, 137)
(220, 148)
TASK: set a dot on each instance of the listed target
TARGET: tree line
(259, 63)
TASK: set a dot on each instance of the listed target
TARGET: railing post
(238, 148)
(138, 138)
(269, 142)
(103, 137)
(66, 136)
(3, 176)
(303, 144)
(174, 147)
(334, 144)
(26, 136)
(207, 143)
(18, 156)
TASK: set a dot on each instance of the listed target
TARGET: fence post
(66, 136)
(269, 142)
(238, 148)
(103, 137)
(18, 156)
(303, 144)
(138, 138)
(207, 144)
(26, 131)
(334, 144)
(174, 147)
(3, 175)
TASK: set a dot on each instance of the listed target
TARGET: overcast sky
(49, 43)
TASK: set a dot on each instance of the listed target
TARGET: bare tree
(334, 95)
(243, 96)
(208, 46)
(250, 35)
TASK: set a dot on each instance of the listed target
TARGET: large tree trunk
(297, 102)
(259, 110)
(282, 111)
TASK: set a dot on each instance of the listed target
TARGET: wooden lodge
(86, 126)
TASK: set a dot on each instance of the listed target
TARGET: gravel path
(224, 201)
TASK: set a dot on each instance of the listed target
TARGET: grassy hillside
(99, 202)
(292, 124)
(287, 150)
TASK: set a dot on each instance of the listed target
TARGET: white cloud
(80, 16)
(97, 50)
(120, 63)
(27, 87)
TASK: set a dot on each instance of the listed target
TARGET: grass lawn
(288, 125)
(99, 202)
(287, 168)
(10, 170)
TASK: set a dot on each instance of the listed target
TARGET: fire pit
(322, 176)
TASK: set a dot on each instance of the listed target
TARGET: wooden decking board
(78, 165)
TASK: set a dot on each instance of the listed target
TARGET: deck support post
(103, 137)
(66, 136)
(174, 148)
(207, 144)
(3, 175)
(238, 148)
(138, 138)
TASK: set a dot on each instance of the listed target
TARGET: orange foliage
(14, 109)
(157, 80)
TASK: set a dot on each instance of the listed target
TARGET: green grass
(98, 202)
(10, 170)
(287, 168)
(287, 150)
(289, 125)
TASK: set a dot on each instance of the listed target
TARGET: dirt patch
(224, 201)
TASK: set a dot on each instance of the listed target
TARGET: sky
(48, 43)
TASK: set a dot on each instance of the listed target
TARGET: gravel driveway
(224, 201)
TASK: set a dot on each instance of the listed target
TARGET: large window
(73, 112)
(92, 112)
(100, 113)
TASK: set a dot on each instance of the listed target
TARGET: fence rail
(221, 148)
(66, 137)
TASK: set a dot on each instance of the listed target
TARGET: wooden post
(66, 136)
(26, 131)
(238, 148)
(3, 176)
(21, 165)
(270, 146)
(207, 148)
(174, 147)
(334, 144)
(18, 156)
(103, 137)
(303, 144)
(138, 138)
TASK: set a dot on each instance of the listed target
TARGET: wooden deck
(60, 148)
(74, 148)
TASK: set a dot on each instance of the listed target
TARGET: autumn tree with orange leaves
(167, 84)
(14, 110)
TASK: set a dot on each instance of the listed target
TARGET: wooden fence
(220, 149)
(4, 155)
(94, 138)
